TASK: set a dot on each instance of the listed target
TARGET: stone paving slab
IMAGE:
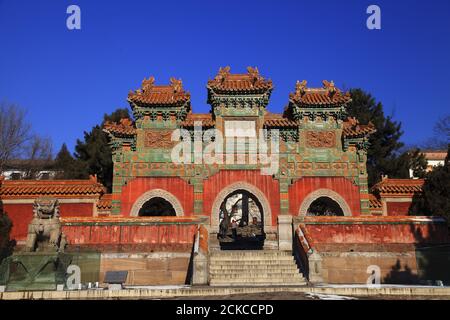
(192, 292)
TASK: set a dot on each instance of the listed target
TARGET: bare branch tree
(38, 155)
(442, 129)
(14, 132)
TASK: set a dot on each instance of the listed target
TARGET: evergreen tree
(6, 245)
(68, 167)
(435, 197)
(94, 152)
(384, 155)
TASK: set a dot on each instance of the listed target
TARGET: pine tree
(435, 197)
(384, 156)
(94, 152)
(68, 167)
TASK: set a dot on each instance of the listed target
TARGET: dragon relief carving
(159, 139)
(320, 139)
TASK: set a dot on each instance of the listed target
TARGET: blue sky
(68, 79)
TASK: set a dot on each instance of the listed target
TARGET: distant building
(434, 158)
(20, 169)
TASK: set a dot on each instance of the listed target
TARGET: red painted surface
(377, 230)
(265, 183)
(130, 231)
(398, 208)
(301, 188)
(183, 191)
(22, 214)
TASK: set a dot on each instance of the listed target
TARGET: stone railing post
(285, 232)
(200, 258)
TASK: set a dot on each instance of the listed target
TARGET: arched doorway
(157, 200)
(324, 206)
(157, 207)
(323, 202)
(241, 221)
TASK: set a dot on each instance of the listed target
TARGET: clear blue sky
(68, 79)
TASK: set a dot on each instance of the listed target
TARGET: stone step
(251, 262)
(257, 275)
(251, 253)
(247, 268)
(251, 256)
(252, 282)
(241, 269)
(253, 270)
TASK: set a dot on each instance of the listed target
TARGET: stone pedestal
(315, 268)
(285, 233)
(200, 269)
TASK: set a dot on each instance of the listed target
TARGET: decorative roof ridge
(398, 186)
(329, 90)
(385, 180)
(149, 93)
(125, 126)
(352, 128)
(89, 181)
(206, 119)
(237, 82)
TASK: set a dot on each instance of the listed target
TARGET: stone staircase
(253, 268)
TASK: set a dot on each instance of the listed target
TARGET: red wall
(183, 191)
(141, 233)
(22, 214)
(304, 186)
(376, 230)
(398, 208)
(265, 183)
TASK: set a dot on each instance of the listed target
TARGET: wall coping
(371, 220)
(141, 221)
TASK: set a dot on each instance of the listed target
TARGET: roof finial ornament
(353, 121)
(254, 73)
(300, 87)
(177, 84)
(223, 73)
(126, 122)
(147, 84)
(329, 86)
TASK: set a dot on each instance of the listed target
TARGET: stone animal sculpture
(44, 231)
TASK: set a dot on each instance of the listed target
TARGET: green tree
(68, 166)
(435, 197)
(94, 152)
(6, 245)
(384, 155)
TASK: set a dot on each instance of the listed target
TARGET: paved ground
(309, 296)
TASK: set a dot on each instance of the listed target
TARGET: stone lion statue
(44, 231)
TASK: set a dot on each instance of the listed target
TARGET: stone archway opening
(324, 202)
(157, 200)
(241, 221)
(324, 206)
(157, 207)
